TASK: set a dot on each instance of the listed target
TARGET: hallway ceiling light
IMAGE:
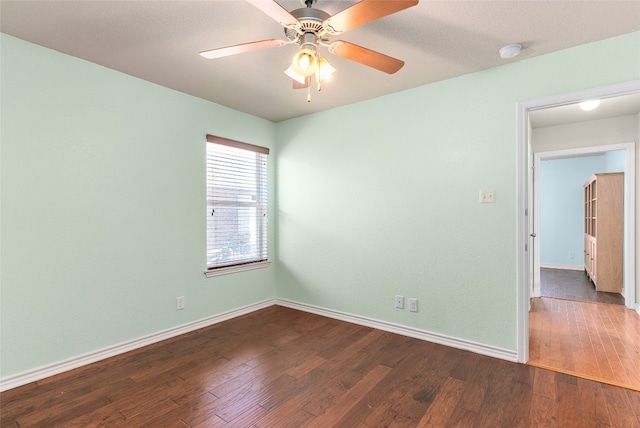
(589, 105)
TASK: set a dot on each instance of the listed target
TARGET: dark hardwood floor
(573, 285)
(279, 367)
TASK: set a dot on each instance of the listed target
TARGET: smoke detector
(510, 51)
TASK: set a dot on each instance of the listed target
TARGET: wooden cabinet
(603, 230)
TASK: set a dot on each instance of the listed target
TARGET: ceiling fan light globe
(295, 76)
(304, 62)
(325, 69)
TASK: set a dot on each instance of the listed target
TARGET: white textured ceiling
(159, 41)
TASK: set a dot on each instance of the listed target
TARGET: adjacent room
(307, 213)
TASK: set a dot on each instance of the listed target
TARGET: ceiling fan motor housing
(311, 21)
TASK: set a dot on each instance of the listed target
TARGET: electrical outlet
(179, 303)
(413, 305)
(400, 302)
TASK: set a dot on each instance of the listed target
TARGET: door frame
(524, 164)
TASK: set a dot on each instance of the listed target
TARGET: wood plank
(543, 411)
(509, 384)
(442, 408)
(346, 401)
(404, 396)
(621, 411)
(568, 405)
(591, 392)
(197, 412)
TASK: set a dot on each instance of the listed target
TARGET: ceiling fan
(310, 28)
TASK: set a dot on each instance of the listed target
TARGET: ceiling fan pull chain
(309, 92)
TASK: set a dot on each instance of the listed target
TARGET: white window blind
(236, 203)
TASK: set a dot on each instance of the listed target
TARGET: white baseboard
(453, 342)
(566, 267)
(112, 351)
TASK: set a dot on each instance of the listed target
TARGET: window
(236, 206)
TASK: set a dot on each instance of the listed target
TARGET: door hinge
(526, 211)
(526, 247)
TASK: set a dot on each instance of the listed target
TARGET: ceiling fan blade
(244, 47)
(366, 56)
(275, 11)
(364, 12)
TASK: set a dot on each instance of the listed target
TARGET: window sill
(238, 268)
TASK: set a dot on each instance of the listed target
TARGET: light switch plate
(487, 196)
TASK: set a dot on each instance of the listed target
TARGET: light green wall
(381, 197)
(103, 208)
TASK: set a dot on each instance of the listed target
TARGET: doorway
(558, 212)
(526, 207)
(572, 322)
